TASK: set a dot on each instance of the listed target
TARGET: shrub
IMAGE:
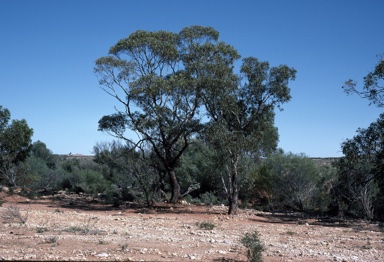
(85, 180)
(206, 225)
(254, 246)
(41, 229)
(52, 240)
(12, 214)
(209, 198)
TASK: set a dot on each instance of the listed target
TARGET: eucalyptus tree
(15, 144)
(242, 114)
(361, 170)
(158, 79)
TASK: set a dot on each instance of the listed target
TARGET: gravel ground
(71, 229)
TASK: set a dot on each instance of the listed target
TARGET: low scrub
(254, 246)
(12, 214)
(207, 225)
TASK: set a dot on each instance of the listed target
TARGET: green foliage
(157, 74)
(15, 144)
(242, 116)
(288, 180)
(324, 198)
(373, 89)
(254, 246)
(124, 166)
(198, 166)
(360, 175)
(41, 168)
(209, 198)
(165, 81)
(69, 173)
(86, 180)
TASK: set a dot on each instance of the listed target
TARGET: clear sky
(48, 49)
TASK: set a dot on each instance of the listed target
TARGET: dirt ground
(76, 229)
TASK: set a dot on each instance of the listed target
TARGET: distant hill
(76, 156)
(320, 161)
(324, 161)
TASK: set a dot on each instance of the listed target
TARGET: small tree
(15, 144)
(242, 115)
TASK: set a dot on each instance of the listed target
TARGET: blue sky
(48, 49)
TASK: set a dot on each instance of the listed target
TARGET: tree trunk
(233, 194)
(233, 197)
(175, 187)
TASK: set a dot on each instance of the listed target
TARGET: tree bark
(175, 187)
(233, 195)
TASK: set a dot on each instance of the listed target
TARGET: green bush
(209, 198)
(254, 246)
(85, 180)
(289, 181)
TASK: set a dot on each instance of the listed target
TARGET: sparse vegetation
(52, 240)
(254, 246)
(207, 225)
(41, 229)
(102, 242)
(82, 230)
(291, 233)
(85, 228)
(12, 214)
(124, 247)
(73, 229)
(212, 237)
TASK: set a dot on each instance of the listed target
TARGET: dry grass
(12, 214)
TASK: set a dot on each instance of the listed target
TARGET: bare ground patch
(73, 228)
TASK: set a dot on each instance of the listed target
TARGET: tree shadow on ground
(83, 203)
(302, 219)
(89, 204)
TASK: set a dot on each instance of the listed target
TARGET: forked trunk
(175, 187)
